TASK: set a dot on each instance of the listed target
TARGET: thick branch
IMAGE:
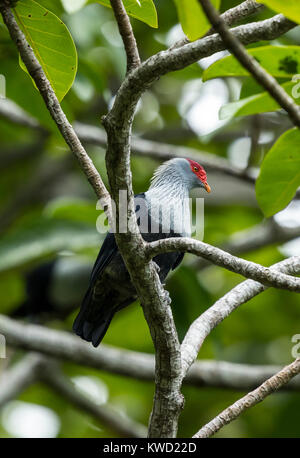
(35, 70)
(221, 258)
(126, 32)
(153, 297)
(141, 366)
(248, 61)
(206, 322)
(251, 399)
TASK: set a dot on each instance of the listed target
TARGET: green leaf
(251, 87)
(143, 10)
(72, 209)
(44, 237)
(280, 61)
(51, 42)
(258, 103)
(290, 8)
(192, 17)
(279, 175)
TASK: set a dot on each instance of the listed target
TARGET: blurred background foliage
(48, 214)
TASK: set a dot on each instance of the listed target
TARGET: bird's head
(178, 173)
(198, 175)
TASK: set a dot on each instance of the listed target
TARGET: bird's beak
(207, 187)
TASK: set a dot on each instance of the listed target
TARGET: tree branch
(16, 379)
(221, 258)
(153, 297)
(54, 378)
(118, 123)
(233, 376)
(36, 72)
(167, 61)
(137, 365)
(263, 234)
(250, 400)
(206, 322)
(261, 76)
(148, 148)
(126, 32)
(231, 17)
(11, 111)
(94, 135)
(35, 367)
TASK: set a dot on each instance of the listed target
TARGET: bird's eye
(196, 169)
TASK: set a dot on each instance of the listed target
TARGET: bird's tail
(92, 330)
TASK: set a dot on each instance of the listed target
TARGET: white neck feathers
(168, 200)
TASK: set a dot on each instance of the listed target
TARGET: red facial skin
(200, 173)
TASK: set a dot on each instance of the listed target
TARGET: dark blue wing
(108, 249)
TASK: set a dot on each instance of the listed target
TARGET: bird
(162, 212)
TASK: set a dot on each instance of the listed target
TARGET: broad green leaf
(279, 175)
(143, 10)
(290, 8)
(43, 238)
(258, 103)
(280, 61)
(51, 42)
(192, 17)
(55, 6)
(251, 87)
(72, 209)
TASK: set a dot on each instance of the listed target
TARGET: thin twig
(248, 61)
(231, 17)
(125, 29)
(251, 399)
(242, 293)
(167, 61)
